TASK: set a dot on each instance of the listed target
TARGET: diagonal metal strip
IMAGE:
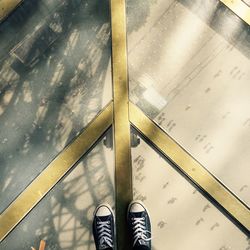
(190, 167)
(44, 182)
(240, 8)
(123, 170)
(7, 6)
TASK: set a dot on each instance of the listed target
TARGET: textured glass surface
(55, 77)
(189, 70)
(64, 217)
(181, 217)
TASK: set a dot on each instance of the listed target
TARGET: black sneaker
(139, 226)
(103, 228)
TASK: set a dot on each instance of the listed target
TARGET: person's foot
(139, 226)
(103, 228)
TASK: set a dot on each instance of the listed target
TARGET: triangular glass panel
(182, 217)
(63, 218)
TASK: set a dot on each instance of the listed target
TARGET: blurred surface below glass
(55, 77)
(182, 218)
(64, 217)
(189, 70)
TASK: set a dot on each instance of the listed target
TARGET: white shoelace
(139, 230)
(105, 233)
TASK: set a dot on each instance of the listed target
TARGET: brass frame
(7, 7)
(240, 8)
(123, 113)
(121, 128)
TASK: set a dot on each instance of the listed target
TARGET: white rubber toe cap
(103, 210)
(136, 207)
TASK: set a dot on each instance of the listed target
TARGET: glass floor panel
(63, 219)
(55, 77)
(181, 217)
(189, 70)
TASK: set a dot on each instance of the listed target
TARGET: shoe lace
(139, 230)
(105, 233)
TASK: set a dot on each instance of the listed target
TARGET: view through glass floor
(189, 71)
(64, 217)
(181, 217)
(55, 77)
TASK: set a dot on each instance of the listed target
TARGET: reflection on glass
(182, 218)
(54, 79)
(247, 2)
(64, 217)
(189, 71)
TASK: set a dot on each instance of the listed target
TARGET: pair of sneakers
(138, 224)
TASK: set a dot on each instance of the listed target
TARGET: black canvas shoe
(139, 226)
(103, 228)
